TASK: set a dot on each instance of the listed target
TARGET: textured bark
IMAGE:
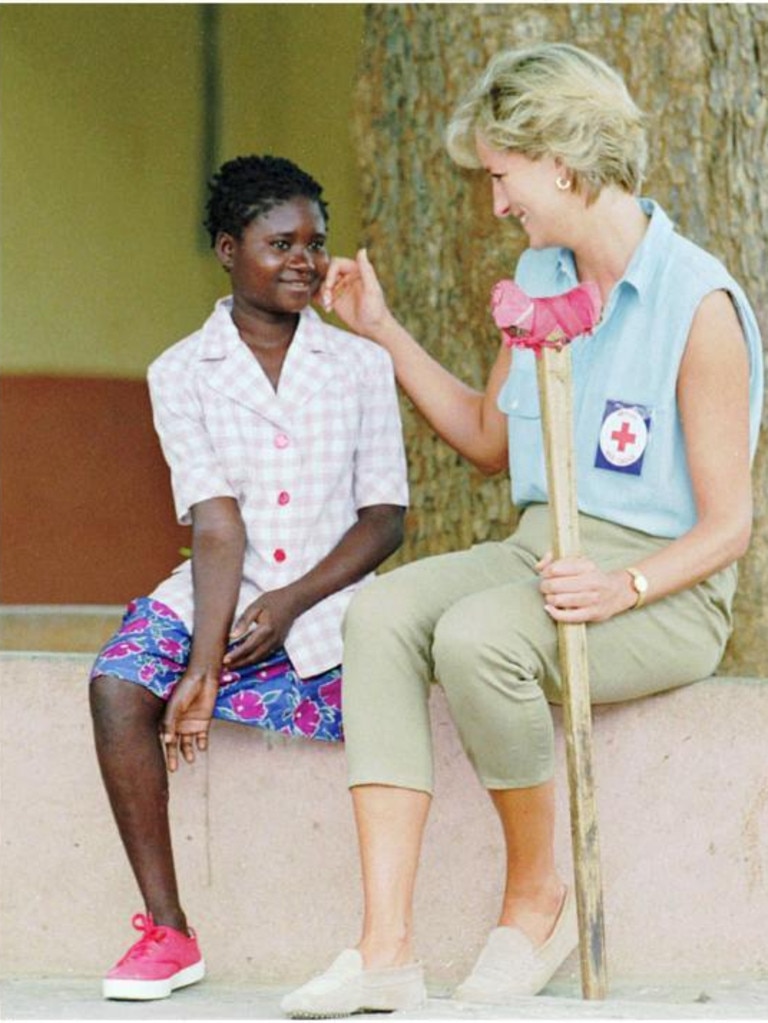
(700, 71)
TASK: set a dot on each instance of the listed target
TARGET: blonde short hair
(555, 100)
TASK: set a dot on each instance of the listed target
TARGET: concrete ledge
(64, 628)
(267, 858)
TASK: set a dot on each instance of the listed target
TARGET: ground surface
(80, 999)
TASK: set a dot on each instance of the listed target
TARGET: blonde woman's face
(526, 189)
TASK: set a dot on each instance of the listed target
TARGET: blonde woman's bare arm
(462, 416)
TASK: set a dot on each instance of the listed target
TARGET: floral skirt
(151, 648)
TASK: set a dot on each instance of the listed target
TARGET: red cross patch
(623, 437)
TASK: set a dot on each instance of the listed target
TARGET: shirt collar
(220, 336)
(644, 263)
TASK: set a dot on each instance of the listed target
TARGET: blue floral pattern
(152, 646)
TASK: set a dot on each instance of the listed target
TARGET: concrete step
(80, 1000)
(65, 628)
(267, 857)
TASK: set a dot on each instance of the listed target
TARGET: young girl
(284, 442)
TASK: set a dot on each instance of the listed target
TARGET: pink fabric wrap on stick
(551, 322)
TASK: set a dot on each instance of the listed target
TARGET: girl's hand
(352, 290)
(576, 590)
(188, 716)
(261, 628)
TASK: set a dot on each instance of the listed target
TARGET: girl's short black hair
(250, 186)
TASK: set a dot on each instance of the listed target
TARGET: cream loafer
(510, 965)
(346, 988)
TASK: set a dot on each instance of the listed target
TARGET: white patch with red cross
(624, 435)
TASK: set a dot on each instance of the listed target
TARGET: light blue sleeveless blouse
(630, 453)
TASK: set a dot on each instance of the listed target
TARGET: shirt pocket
(519, 400)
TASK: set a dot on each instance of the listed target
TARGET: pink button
(279, 554)
(283, 497)
(281, 440)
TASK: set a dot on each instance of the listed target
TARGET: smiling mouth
(299, 283)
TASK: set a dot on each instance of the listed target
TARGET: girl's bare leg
(126, 720)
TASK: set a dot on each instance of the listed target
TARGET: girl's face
(526, 189)
(281, 260)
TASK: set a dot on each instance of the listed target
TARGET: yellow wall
(101, 260)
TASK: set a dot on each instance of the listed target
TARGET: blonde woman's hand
(352, 291)
(575, 589)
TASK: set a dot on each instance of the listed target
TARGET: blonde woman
(667, 396)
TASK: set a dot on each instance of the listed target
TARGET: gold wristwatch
(639, 585)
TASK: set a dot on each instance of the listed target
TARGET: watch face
(639, 582)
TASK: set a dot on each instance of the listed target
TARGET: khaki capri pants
(474, 621)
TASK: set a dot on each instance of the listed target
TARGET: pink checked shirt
(300, 461)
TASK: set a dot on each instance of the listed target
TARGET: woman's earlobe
(564, 179)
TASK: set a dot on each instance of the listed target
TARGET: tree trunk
(699, 71)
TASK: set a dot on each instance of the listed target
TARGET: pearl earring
(563, 184)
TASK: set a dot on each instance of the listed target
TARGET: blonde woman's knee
(373, 600)
(405, 601)
(387, 643)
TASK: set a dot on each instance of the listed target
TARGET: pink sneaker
(162, 960)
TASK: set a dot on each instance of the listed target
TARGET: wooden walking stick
(548, 330)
